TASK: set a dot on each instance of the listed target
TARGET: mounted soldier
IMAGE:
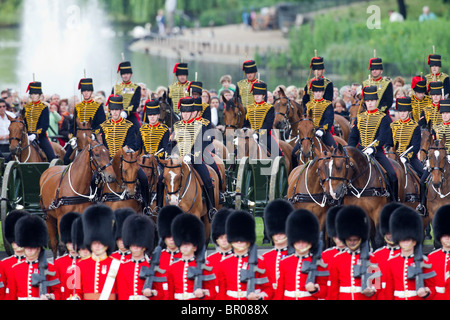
(244, 86)
(430, 115)
(317, 68)
(195, 90)
(178, 89)
(435, 64)
(420, 98)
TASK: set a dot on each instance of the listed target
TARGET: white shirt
(4, 125)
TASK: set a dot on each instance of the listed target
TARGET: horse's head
(84, 130)
(333, 170)
(424, 144)
(233, 113)
(173, 178)
(17, 132)
(149, 165)
(391, 152)
(100, 160)
(284, 111)
(437, 155)
(129, 168)
(306, 135)
(167, 116)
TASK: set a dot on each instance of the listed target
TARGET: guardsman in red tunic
(19, 253)
(97, 273)
(66, 264)
(330, 227)
(123, 254)
(190, 278)
(409, 275)
(138, 236)
(33, 278)
(352, 225)
(303, 276)
(440, 258)
(275, 215)
(236, 279)
(391, 249)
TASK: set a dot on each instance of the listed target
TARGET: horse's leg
(52, 233)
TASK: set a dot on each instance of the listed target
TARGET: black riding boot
(422, 207)
(393, 186)
(159, 196)
(210, 203)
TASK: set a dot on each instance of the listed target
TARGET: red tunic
(291, 284)
(166, 259)
(343, 284)
(229, 279)
(272, 259)
(121, 256)
(214, 260)
(382, 255)
(181, 288)
(398, 286)
(65, 267)
(130, 285)
(6, 266)
(19, 282)
(440, 260)
(93, 273)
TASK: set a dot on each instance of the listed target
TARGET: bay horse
(287, 114)
(68, 188)
(167, 115)
(352, 178)
(84, 130)
(341, 127)
(22, 149)
(123, 192)
(184, 188)
(149, 165)
(425, 143)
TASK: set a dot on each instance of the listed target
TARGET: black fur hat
(138, 230)
(385, 215)
(188, 228)
(218, 223)
(441, 222)
(31, 232)
(65, 226)
(165, 218)
(406, 223)
(275, 214)
(352, 221)
(10, 223)
(240, 226)
(121, 215)
(99, 224)
(78, 234)
(302, 225)
(330, 221)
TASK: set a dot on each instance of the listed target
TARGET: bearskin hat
(99, 224)
(441, 222)
(138, 230)
(352, 221)
(385, 215)
(240, 226)
(121, 214)
(65, 226)
(275, 215)
(31, 231)
(405, 223)
(218, 223)
(188, 228)
(330, 221)
(78, 234)
(165, 218)
(10, 223)
(302, 225)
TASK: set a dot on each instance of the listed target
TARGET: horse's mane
(357, 156)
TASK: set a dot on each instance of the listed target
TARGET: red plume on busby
(419, 84)
(375, 64)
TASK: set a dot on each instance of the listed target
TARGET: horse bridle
(93, 161)
(238, 118)
(121, 170)
(348, 164)
(19, 140)
(443, 169)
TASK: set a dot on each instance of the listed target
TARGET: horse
(341, 127)
(184, 188)
(22, 149)
(123, 192)
(287, 114)
(438, 190)
(425, 141)
(68, 188)
(84, 130)
(167, 115)
(352, 178)
(149, 165)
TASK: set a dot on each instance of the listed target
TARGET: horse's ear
(340, 148)
(281, 92)
(310, 114)
(11, 119)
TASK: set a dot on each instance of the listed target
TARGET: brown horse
(22, 149)
(184, 188)
(341, 127)
(287, 115)
(350, 177)
(149, 165)
(123, 191)
(68, 188)
(425, 143)
(438, 193)
(168, 115)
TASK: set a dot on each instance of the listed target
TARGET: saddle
(39, 150)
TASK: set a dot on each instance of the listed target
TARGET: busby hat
(376, 64)
(441, 222)
(435, 88)
(138, 230)
(434, 60)
(188, 228)
(99, 224)
(419, 84)
(181, 69)
(10, 223)
(186, 104)
(240, 226)
(195, 86)
(249, 66)
(78, 234)
(198, 104)
(31, 231)
(405, 223)
(115, 102)
(385, 215)
(370, 93)
(124, 67)
(86, 85)
(218, 223)
(317, 85)
(352, 221)
(259, 88)
(151, 108)
(330, 220)
(35, 88)
(121, 214)
(275, 214)
(65, 226)
(403, 104)
(317, 63)
(302, 225)
(165, 218)
(444, 105)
